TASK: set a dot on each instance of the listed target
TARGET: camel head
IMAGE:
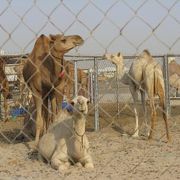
(80, 104)
(171, 59)
(63, 44)
(116, 59)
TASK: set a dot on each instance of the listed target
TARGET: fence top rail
(84, 57)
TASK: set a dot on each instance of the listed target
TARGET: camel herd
(59, 136)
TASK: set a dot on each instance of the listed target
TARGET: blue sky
(106, 25)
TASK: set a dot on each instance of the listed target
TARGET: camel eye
(63, 40)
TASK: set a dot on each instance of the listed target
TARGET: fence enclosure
(103, 89)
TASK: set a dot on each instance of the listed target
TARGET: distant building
(108, 72)
(2, 52)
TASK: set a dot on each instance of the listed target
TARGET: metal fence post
(91, 85)
(96, 95)
(166, 83)
(75, 79)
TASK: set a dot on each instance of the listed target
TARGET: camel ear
(119, 54)
(52, 37)
(42, 36)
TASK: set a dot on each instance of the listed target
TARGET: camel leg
(53, 107)
(164, 115)
(143, 101)
(166, 125)
(60, 159)
(135, 97)
(45, 114)
(153, 116)
(87, 162)
(39, 119)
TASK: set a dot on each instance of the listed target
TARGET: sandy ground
(115, 156)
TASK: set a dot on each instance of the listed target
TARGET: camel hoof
(33, 154)
(78, 164)
(135, 135)
(125, 134)
(89, 165)
(62, 168)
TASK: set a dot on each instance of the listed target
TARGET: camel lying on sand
(43, 73)
(66, 141)
(145, 75)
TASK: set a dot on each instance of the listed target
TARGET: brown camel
(4, 88)
(43, 73)
(145, 75)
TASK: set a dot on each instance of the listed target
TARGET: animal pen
(103, 88)
(106, 27)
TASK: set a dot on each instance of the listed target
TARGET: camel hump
(146, 52)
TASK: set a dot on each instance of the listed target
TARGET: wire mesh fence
(41, 80)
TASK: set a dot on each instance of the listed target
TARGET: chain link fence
(114, 26)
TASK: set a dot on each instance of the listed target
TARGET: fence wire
(41, 76)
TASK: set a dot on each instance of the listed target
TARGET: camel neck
(56, 54)
(79, 124)
(120, 71)
(59, 61)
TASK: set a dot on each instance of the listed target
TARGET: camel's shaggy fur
(145, 75)
(66, 141)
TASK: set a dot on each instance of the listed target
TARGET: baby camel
(145, 75)
(65, 141)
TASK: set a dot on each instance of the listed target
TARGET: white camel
(65, 141)
(145, 75)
